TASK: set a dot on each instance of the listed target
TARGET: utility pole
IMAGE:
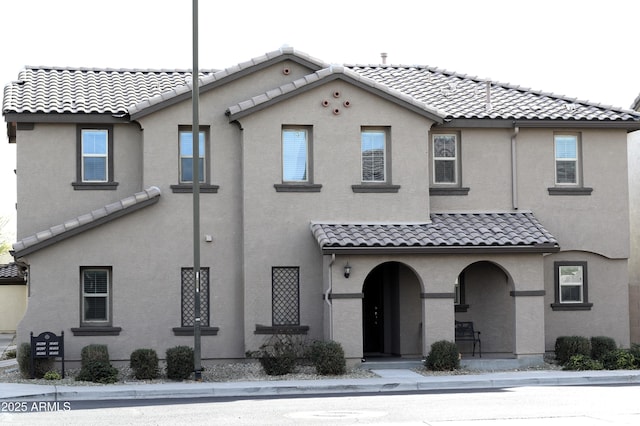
(196, 198)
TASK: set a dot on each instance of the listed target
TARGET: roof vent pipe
(488, 91)
(383, 55)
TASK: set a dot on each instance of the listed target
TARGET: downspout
(514, 167)
(327, 293)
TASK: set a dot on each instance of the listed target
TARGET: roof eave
(539, 248)
(504, 123)
(54, 117)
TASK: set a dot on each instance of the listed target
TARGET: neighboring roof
(121, 92)
(636, 104)
(445, 233)
(11, 274)
(331, 73)
(85, 222)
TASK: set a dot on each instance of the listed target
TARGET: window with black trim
(94, 152)
(460, 302)
(297, 160)
(186, 161)
(188, 280)
(285, 296)
(95, 287)
(571, 286)
(567, 148)
(375, 161)
(446, 169)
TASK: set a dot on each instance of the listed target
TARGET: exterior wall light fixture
(347, 270)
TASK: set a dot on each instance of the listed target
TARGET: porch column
(347, 324)
(529, 323)
(438, 317)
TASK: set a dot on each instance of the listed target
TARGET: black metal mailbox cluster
(47, 345)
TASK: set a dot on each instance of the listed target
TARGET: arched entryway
(391, 312)
(483, 296)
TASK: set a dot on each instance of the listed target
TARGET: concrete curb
(28, 392)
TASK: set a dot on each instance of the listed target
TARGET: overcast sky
(586, 49)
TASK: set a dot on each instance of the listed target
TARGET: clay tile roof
(11, 272)
(86, 221)
(445, 232)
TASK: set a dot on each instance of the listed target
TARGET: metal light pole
(196, 197)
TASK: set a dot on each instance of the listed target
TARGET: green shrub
(443, 356)
(581, 362)
(278, 355)
(52, 375)
(94, 353)
(602, 345)
(144, 363)
(98, 371)
(619, 359)
(328, 358)
(10, 354)
(568, 346)
(41, 365)
(635, 351)
(180, 364)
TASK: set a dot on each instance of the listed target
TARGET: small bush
(279, 354)
(98, 372)
(180, 363)
(619, 359)
(568, 346)
(602, 345)
(328, 358)
(581, 362)
(443, 356)
(10, 354)
(52, 375)
(635, 351)
(41, 365)
(94, 353)
(144, 363)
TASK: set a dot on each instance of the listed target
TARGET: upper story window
(186, 150)
(375, 161)
(96, 295)
(566, 153)
(446, 164)
(571, 290)
(445, 159)
(94, 158)
(186, 156)
(297, 160)
(568, 168)
(373, 147)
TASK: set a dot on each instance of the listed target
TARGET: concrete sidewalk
(388, 381)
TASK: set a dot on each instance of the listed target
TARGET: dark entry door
(373, 314)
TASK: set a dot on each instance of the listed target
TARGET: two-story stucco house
(369, 204)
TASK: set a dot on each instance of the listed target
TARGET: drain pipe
(514, 167)
(327, 293)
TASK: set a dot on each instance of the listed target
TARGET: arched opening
(391, 312)
(483, 296)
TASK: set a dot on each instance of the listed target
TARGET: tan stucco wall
(13, 304)
(634, 259)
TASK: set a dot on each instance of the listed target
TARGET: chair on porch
(464, 332)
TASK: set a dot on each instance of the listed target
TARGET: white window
(445, 159)
(571, 283)
(95, 295)
(566, 155)
(295, 155)
(95, 155)
(374, 151)
(186, 156)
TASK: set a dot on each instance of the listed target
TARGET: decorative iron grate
(285, 303)
(189, 298)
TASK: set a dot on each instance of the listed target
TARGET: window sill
(96, 331)
(461, 308)
(571, 306)
(375, 187)
(559, 190)
(83, 186)
(448, 191)
(205, 188)
(188, 331)
(297, 187)
(281, 329)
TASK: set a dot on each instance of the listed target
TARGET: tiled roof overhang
(511, 232)
(85, 222)
(11, 274)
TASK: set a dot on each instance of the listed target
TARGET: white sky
(587, 49)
